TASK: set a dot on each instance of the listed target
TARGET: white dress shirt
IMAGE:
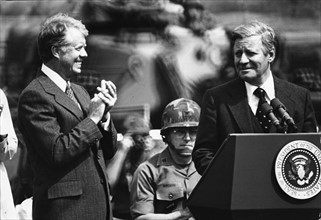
(268, 87)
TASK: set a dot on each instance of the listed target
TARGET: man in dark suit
(232, 107)
(68, 135)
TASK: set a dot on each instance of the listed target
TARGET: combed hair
(53, 31)
(256, 28)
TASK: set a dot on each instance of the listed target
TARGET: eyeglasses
(181, 132)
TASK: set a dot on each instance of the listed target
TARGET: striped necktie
(70, 94)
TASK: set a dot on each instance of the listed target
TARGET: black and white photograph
(160, 109)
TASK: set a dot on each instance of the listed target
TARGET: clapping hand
(108, 94)
(103, 101)
(126, 143)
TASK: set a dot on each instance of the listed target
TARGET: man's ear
(272, 55)
(55, 52)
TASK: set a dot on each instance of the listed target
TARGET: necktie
(263, 120)
(70, 94)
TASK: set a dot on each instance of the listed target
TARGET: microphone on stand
(281, 110)
(268, 111)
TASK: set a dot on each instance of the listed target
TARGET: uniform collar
(165, 159)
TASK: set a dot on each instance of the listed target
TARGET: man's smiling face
(73, 52)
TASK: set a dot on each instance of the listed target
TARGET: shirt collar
(268, 86)
(165, 159)
(55, 77)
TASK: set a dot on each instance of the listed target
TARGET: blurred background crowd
(156, 51)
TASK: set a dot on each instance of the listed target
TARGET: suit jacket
(225, 110)
(67, 152)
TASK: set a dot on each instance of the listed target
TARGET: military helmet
(181, 112)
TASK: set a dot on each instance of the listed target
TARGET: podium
(243, 180)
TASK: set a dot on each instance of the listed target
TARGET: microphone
(267, 110)
(282, 112)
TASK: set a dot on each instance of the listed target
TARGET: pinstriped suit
(225, 110)
(67, 153)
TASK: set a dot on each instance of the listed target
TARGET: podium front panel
(240, 181)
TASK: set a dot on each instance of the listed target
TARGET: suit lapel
(284, 95)
(238, 104)
(60, 97)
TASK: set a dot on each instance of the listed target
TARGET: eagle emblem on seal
(300, 170)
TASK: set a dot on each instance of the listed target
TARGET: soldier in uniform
(162, 184)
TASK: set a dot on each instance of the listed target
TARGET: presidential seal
(297, 169)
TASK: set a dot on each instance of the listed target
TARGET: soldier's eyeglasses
(181, 132)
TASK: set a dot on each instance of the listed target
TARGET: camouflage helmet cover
(180, 113)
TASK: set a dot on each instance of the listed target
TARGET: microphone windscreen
(276, 103)
(266, 108)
